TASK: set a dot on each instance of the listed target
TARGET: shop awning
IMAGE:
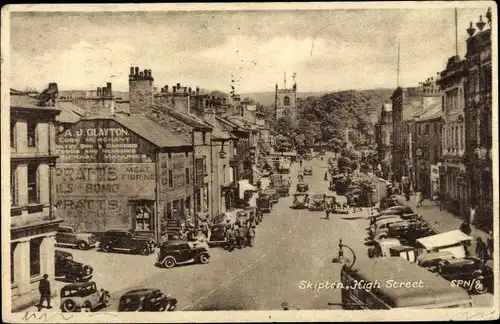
(244, 186)
(443, 239)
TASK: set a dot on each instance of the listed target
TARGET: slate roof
(147, 129)
(189, 120)
(70, 113)
(433, 115)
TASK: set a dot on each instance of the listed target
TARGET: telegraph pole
(398, 68)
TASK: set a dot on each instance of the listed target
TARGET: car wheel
(106, 299)
(87, 306)
(169, 263)
(145, 251)
(204, 259)
(163, 307)
(83, 245)
(480, 287)
(68, 306)
(107, 247)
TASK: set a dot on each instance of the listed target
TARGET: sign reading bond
(98, 144)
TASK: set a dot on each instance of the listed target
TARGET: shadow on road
(352, 218)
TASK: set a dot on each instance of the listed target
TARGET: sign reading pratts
(107, 144)
(105, 179)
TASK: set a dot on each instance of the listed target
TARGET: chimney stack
(166, 88)
(178, 85)
(136, 70)
(174, 89)
(197, 90)
(141, 74)
(131, 70)
(98, 91)
(185, 89)
(108, 89)
(190, 90)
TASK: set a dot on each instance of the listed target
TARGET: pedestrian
(465, 227)
(45, 293)
(472, 216)
(490, 243)
(300, 163)
(230, 237)
(481, 250)
(326, 176)
(251, 236)
(419, 199)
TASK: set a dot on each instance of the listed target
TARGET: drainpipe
(195, 207)
(51, 182)
(156, 214)
(211, 179)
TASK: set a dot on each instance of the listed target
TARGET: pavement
(292, 248)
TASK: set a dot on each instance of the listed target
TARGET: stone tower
(140, 84)
(285, 102)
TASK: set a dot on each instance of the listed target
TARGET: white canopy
(244, 186)
(443, 239)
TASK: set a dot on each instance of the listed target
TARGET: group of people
(240, 234)
(484, 250)
(200, 234)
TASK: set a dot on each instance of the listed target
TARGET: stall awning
(244, 186)
(443, 239)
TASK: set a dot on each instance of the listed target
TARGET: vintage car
(218, 235)
(282, 187)
(331, 201)
(341, 206)
(409, 230)
(146, 300)
(308, 157)
(300, 200)
(322, 152)
(83, 296)
(404, 212)
(302, 187)
(264, 203)
(67, 236)
(126, 241)
(430, 261)
(380, 248)
(177, 252)
(382, 226)
(387, 202)
(67, 269)
(308, 171)
(317, 202)
(404, 251)
(470, 273)
(451, 241)
(272, 193)
(354, 197)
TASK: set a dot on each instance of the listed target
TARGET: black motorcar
(218, 237)
(69, 270)
(472, 274)
(178, 252)
(126, 241)
(146, 300)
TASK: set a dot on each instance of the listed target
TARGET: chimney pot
(166, 88)
(178, 85)
(131, 70)
(136, 70)
(174, 89)
(141, 74)
(145, 73)
(190, 90)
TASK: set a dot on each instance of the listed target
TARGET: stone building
(122, 171)
(383, 137)
(33, 219)
(452, 171)
(406, 103)
(427, 154)
(285, 102)
(478, 116)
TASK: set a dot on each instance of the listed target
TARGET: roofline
(187, 120)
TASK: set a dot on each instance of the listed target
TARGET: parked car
(178, 252)
(380, 228)
(146, 300)
(76, 297)
(126, 241)
(380, 248)
(302, 187)
(430, 261)
(67, 269)
(308, 171)
(67, 236)
(264, 203)
(218, 237)
(273, 195)
(470, 273)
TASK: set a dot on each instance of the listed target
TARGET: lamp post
(341, 259)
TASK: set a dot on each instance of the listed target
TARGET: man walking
(251, 236)
(481, 250)
(45, 293)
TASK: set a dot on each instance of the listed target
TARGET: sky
(329, 50)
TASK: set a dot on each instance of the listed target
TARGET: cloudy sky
(329, 50)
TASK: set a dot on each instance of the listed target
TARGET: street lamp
(341, 259)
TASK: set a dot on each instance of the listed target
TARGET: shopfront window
(205, 197)
(143, 215)
(33, 196)
(35, 257)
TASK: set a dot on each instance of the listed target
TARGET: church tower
(285, 101)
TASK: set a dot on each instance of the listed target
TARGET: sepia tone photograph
(232, 162)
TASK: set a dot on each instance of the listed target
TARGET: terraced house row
(96, 162)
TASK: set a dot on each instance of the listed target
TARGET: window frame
(286, 101)
(35, 267)
(31, 199)
(170, 178)
(13, 136)
(187, 173)
(31, 131)
(13, 186)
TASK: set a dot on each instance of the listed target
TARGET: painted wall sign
(95, 197)
(102, 141)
